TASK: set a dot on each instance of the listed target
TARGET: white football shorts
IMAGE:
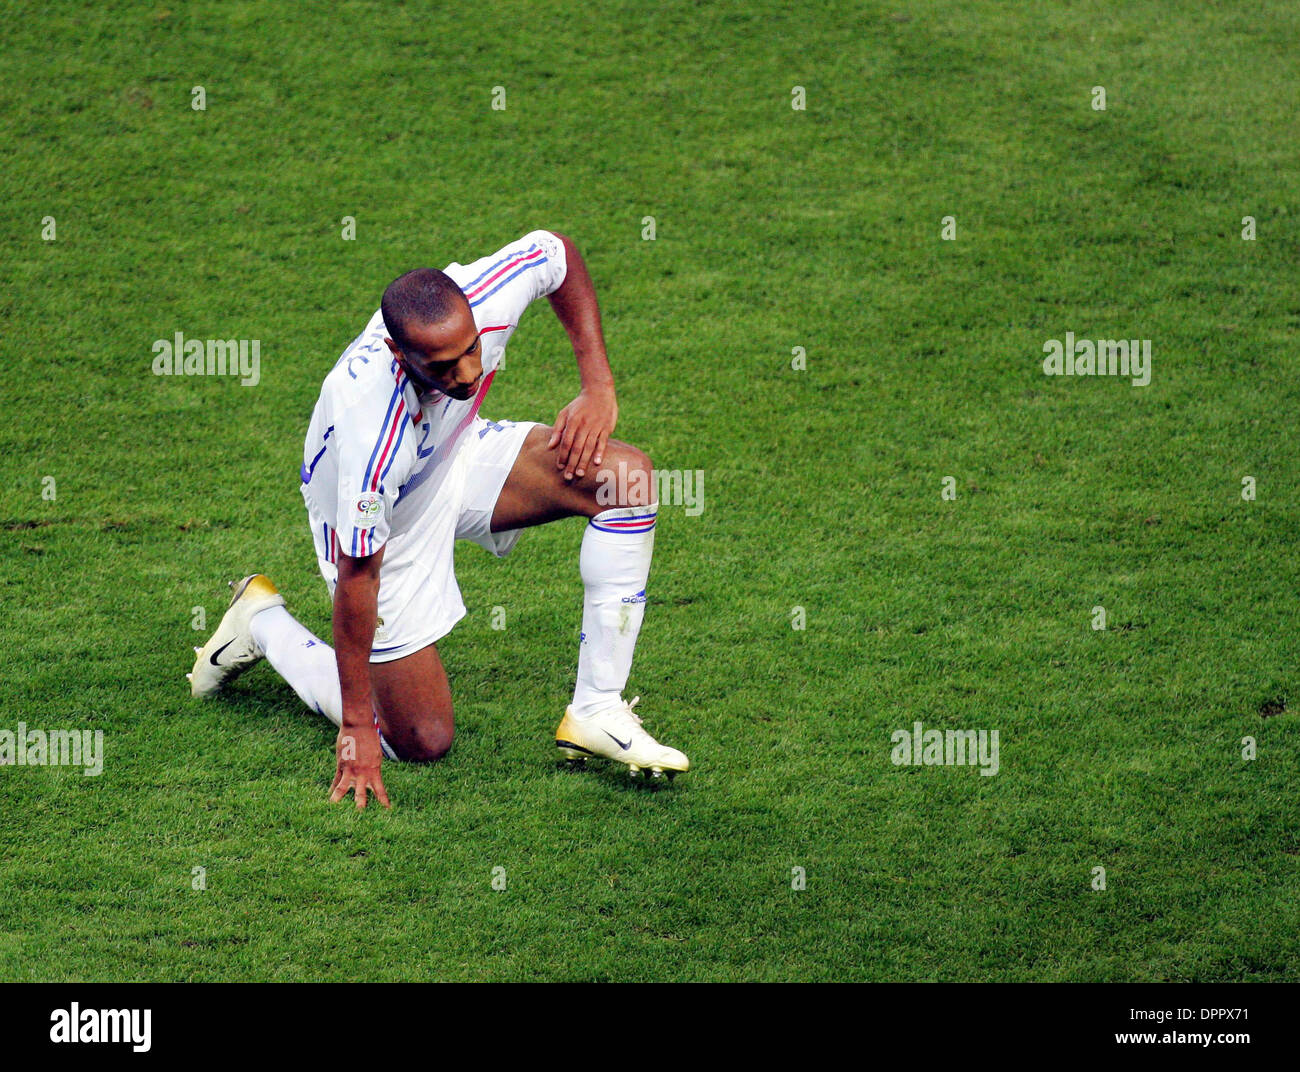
(419, 599)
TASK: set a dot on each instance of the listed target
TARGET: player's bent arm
(584, 426)
(356, 611)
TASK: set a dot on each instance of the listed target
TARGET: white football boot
(231, 649)
(617, 734)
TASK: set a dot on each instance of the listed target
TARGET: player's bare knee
(625, 478)
(427, 745)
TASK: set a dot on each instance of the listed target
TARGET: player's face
(445, 357)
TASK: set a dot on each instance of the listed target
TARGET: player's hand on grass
(582, 429)
(359, 759)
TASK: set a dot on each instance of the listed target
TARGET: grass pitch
(775, 228)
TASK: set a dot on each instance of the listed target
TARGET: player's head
(433, 334)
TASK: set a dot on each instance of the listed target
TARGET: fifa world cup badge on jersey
(366, 509)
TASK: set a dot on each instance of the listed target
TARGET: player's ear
(393, 347)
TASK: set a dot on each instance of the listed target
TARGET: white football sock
(615, 564)
(305, 662)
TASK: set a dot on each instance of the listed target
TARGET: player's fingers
(588, 449)
(566, 449)
(569, 450)
(575, 453)
(361, 792)
(340, 790)
(599, 456)
(381, 794)
(557, 429)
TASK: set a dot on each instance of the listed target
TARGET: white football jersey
(375, 452)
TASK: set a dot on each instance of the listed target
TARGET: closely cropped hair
(424, 296)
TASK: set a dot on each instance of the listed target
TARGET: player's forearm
(356, 609)
(576, 307)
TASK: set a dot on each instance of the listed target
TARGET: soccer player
(398, 464)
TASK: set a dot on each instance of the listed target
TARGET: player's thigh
(413, 699)
(536, 492)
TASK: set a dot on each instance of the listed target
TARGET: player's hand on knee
(581, 430)
(358, 766)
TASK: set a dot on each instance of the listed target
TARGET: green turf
(776, 229)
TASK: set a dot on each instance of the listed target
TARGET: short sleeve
(501, 286)
(372, 464)
(557, 262)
